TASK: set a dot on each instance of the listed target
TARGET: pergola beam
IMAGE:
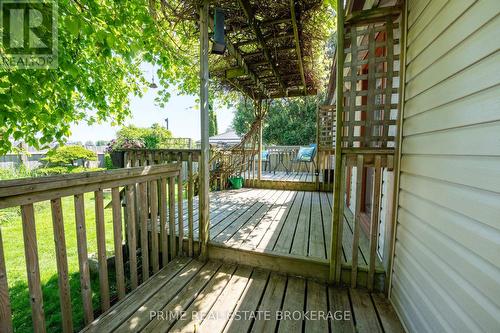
(247, 9)
(297, 44)
(243, 65)
(253, 54)
(233, 52)
(267, 38)
(266, 23)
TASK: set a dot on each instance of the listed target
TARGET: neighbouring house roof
(229, 137)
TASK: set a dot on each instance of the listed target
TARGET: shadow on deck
(280, 223)
(192, 296)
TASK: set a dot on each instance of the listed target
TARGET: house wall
(446, 267)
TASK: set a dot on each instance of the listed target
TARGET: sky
(181, 111)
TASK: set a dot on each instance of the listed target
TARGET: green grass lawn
(10, 221)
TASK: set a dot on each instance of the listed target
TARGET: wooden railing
(354, 166)
(147, 194)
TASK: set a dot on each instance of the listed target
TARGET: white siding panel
(456, 114)
(482, 172)
(483, 206)
(447, 16)
(430, 12)
(444, 289)
(446, 271)
(470, 24)
(478, 238)
(483, 139)
(452, 254)
(457, 59)
(416, 7)
(477, 77)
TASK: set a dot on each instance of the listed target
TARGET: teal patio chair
(266, 160)
(305, 155)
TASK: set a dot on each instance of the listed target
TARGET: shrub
(20, 172)
(108, 163)
(153, 137)
(68, 155)
(59, 170)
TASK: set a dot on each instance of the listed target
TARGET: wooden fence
(143, 198)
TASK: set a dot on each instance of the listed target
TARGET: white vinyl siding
(446, 272)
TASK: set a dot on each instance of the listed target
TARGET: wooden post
(337, 182)
(259, 165)
(397, 149)
(81, 238)
(101, 250)
(204, 159)
(317, 157)
(377, 188)
(190, 204)
(117, 241)
(132, 234)
(5, 309)
(357, 219)
(33, 268)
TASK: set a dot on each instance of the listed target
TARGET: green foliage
(68, 155)
(108, 163)
(153, 137)
(289, 121)
(14, 173)
(101, 47)
(61, 170)
(212, 121)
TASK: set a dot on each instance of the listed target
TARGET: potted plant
(116, 148)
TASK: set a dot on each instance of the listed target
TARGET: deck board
(290, 176)
(216, 297)
(280, 221)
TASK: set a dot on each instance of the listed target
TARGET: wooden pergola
(269, 47)
(269, 54)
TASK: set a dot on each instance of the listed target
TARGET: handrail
(18, 187)
(150, 195)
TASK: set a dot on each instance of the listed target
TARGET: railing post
(259, 170)
(337, 195)
(204, 160)
(5, 309)
(33, 268)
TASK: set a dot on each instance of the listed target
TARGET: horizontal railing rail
(143, 203)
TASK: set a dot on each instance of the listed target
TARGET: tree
(153, 137)
(289, 121)
(102, 45)
(212, 121)
(69, 155)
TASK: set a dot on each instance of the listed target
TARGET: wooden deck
(192, 296)
(290, 176)
(279, 222)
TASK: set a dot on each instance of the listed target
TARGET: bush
(68, 155)
(108, 163)
(20, 172)
(131, 136)
(60, 170)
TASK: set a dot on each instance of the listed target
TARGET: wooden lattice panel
(371, 80)
(326, 127)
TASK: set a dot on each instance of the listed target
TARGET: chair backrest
(306, 154)
(315, 146)
(265, 155)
